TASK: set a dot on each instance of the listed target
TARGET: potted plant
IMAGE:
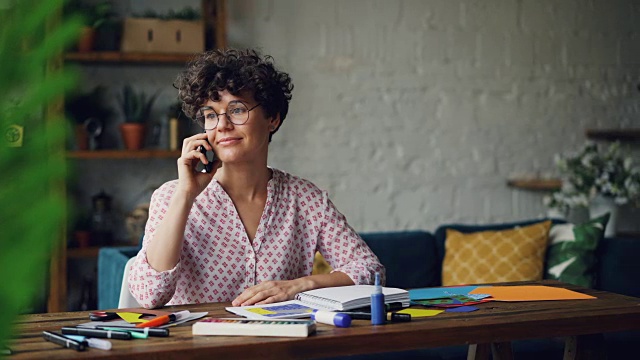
(85, 108)
(136, 108)
(93, 15)
(599, 180)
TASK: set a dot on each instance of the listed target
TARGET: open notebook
(341, 298)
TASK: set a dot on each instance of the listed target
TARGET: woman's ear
(274, 123)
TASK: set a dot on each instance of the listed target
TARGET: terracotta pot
(86, 39)
(132, 135)
(82, 138)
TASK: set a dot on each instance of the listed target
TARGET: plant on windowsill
(598, 180)
(136, 108)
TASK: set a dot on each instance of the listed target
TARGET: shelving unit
(614, 134)
(80, 253)
(215, 23)
(119, 57)
(535, 184)
(124, 154)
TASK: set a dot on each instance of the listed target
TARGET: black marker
(97, 333)
(393, 317)
(63, 341)
(160, 332)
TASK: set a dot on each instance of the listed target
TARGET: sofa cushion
(495, 256)
(320, 265)
(571, 255)
(618, 268)
(409, 257)
(441, 234)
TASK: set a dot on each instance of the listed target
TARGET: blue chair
(111, 268)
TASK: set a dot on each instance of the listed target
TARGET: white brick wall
(414, 113)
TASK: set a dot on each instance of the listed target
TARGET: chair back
(126, 299)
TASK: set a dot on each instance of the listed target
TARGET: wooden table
(493, 327)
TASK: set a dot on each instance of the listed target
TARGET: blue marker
(378, 311)
(331, 318)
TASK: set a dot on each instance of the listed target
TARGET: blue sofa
(413, 259)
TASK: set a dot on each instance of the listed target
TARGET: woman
(244, 232)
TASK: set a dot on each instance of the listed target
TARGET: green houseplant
(597, 178)
(30, 203)
(136, 109)
(93, 15)
(84, 108)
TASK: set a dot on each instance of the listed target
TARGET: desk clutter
(127, 324)
(278, 319)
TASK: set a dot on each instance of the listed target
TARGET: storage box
(162, 36)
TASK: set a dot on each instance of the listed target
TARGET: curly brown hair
(235, 71)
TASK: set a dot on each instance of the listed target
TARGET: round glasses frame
(202, 120)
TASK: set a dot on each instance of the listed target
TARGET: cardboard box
(162, 36)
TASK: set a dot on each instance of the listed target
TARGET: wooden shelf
(614, 134)
(83, 253)
(535, 184)
(124, 154)
(120, 57)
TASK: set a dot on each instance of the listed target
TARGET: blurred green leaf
(31, 214)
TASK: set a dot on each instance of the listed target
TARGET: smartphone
(202, 167)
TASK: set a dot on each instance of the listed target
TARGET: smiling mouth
(228, 140)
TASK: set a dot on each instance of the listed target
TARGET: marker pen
(377, 304)
(331, 318)
(134, 335)
(393, 317)
(160, 332)
(91, 342)
(96, 333)
(63, 341)
(161, 320)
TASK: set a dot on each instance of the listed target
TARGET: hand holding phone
(206, 167)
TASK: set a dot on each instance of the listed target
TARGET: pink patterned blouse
(218, 262)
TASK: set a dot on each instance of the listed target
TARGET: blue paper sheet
(439, 292)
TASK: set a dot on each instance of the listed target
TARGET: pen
(160, 332)
(97, 333)
(161, 320)
(393, 317)
(63, 341)
(91, 342)
(392, 306)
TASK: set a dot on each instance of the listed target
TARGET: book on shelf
(252, 327)
(340, 298)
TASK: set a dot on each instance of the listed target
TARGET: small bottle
(378, 311)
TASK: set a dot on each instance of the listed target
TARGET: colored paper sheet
(446, 306)
(530, 293)
(131, 317)
(439, 292)
(478, 296)
(431, 302)
(416, 313)
(462, 309)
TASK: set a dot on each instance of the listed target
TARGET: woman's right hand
(190, 181)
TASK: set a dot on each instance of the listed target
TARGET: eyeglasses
(237, 113)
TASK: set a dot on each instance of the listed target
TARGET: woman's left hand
(270, 291)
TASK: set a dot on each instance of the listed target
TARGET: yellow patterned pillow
(495, 256)
(320, 265)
